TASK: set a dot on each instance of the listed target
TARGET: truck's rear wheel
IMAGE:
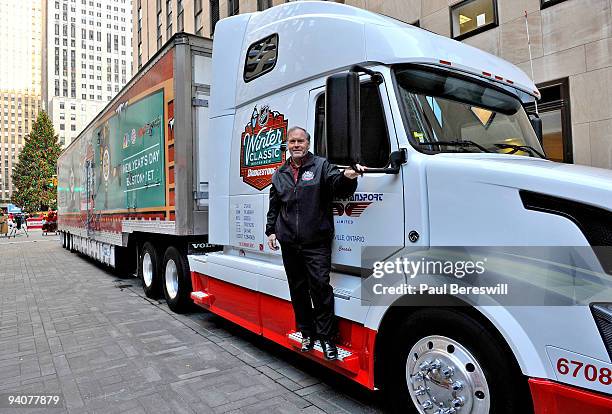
(445, 361)
(177, 280)
(149, 271)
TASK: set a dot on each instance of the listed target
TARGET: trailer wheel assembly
(148, 270)
(447, 362)
(177, 280)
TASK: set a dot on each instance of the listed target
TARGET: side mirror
(536, 123)
(342, 118)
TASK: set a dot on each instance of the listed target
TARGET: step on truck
(456, 172)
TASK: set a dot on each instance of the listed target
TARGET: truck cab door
(371, 222)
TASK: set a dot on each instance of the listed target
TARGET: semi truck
(171, 182)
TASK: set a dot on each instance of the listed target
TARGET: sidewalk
(69, 326)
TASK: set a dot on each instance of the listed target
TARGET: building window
(547, 3)
(139, 23)
(233, 7)
(214, 15)
(197, 12)
(168, 19)
(554, 110)
(159, 36)
(179, 16)
(139, 55)
(470, 17)
(159, 29)
(263, 4)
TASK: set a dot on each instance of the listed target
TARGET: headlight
(602, 312)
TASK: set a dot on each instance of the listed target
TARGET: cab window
(261, 57)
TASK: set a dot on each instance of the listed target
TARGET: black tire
(177, 286)
(508, 389)
(151, 289)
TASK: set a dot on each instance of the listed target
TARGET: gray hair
(298, 128)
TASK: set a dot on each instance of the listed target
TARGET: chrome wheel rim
(147, 270)
(443, 377)
(171, 279)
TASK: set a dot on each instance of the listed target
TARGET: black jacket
(301, 213)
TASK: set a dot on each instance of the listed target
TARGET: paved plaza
(70, 326)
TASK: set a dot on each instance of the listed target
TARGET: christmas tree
(32, 176)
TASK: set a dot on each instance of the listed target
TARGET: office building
(20, 82)
(88, 58)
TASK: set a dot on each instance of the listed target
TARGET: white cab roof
(317, 38)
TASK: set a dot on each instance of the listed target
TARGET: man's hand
(354, 173)
(272, 244)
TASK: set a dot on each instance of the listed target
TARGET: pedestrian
(300, 219)
(24, 224)
(12, 227)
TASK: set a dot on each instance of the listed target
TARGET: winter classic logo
(260, 147)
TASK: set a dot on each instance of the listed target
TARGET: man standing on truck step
(300, 218)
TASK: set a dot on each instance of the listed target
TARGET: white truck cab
(455, 162)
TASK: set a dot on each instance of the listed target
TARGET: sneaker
(330, 351)
(307, 343)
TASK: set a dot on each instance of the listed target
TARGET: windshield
(453, 114)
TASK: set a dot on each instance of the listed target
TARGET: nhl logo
(307, 176)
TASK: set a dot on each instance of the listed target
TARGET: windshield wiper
(526, 148)
(456, 144)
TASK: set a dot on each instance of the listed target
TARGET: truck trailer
(171, 182)
(131, 192)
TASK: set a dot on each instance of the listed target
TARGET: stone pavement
(69, 326)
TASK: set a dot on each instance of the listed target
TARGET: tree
(34, 171)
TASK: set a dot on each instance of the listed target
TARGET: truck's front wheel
(177, 280)
(446, 361)
(149, 272)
